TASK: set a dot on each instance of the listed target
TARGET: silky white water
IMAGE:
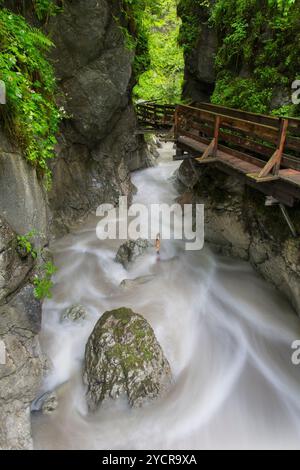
(225, 332)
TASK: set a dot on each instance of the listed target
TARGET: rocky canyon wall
(239, 225)
(200, 43)
(97, 148)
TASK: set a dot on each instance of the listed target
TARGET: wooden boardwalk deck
(263, 150)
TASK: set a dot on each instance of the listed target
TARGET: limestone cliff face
(97, 149)
(98, 145)
(21, 366)
(238, 224)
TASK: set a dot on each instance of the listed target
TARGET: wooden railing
(271, 143)
(153, 116)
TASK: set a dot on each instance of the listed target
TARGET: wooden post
(275, 162)
(281, 144)
(176, 123)
(216, 136)
(211, 151)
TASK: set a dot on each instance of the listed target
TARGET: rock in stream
(124, 358)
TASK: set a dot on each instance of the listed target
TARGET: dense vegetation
(260, 42)
(191, 12)
(46, 8)
(31, 115)
(159, 60)
(258, 56)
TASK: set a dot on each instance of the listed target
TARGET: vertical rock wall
(97, 149)
(237, 224)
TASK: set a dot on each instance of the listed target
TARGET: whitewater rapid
(226, 333)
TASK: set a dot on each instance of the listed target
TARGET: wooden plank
(262, 179)
(236, 163)
(246, 144)
(294, 124)
(290, 176)
(287, 161)
(259, 130)
(244, 166)
(206, 161)
(293, 143)
(253, 117)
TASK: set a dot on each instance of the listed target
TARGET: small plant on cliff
(43, 281)
(25, 246)
(46, 8)
(31, 115)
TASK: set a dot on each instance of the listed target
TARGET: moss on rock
(123, 358)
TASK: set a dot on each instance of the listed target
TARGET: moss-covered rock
(123, 358)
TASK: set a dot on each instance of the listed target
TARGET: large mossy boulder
(124, 358)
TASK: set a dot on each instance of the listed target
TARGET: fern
(31, 115)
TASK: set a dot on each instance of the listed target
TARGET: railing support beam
(212, 149)
(275, 162)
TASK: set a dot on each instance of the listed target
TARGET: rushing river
(226, 333)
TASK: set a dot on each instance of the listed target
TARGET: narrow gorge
(141, 344)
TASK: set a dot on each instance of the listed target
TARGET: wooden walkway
(263, 150)
(153, 117)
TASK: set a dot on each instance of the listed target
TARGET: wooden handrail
(155, 116)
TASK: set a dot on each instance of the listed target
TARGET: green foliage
(45, 8)
(258, 55)
(43, 282)
(136, 13)
(31, 115)
(25, 244)
(161, 67)
(192, 13)
(43, 279)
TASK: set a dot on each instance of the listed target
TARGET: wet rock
(22, 196)
(13, 269)
(21, 375)
(74, 313)
(123, 358)
(50, 404)
(47, 403)
(131, 250)
(98, 146)
(200, 71)
(131, 283)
